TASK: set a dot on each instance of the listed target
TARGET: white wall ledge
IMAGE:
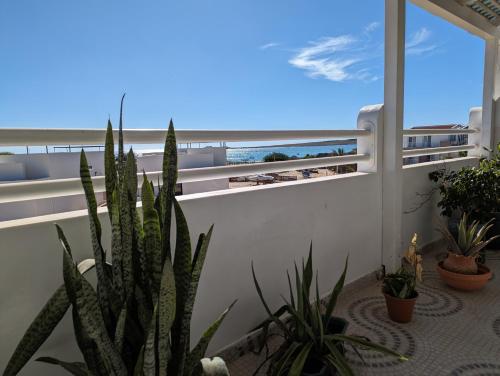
(442, 162)
(190, 197)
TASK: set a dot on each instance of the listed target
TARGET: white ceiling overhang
(480, 17)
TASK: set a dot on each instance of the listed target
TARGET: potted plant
(472, 190)
(137, 320)
(399, 288)
(313, 339)
(460, 268)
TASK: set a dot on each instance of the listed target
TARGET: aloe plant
(137, 319)
(471, 238)
(306, 330)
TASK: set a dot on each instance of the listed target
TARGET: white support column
(490, 130)
(392, 160)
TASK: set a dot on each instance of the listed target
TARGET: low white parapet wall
(269, 225)
(420, 198)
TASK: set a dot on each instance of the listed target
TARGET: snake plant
(137, 319)
(471, 238)
(306, 328)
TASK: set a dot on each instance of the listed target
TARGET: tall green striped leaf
(149, 358)
(126, 224)
(42, 326)
(167, 193)
(84, 299)
(87, 346)
(182, 271)
(131, 177)
(38, 331)
(95, 232)
(110, 177)
(120, 330)
(152, 238)
(75, 368)
(121, 155)
(117, 247)
(166, 314)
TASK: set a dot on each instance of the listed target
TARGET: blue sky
(224, 64)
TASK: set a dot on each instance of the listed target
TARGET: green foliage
(401, 284)
(471, 238)
(275, 157)
(137, 319)
(472, 190)
(306, 330)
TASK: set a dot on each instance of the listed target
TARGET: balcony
(270, 225)
(369, 215)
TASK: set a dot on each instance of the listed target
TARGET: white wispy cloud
(372, 27)
(339, 58)
(320, 58)
(419, 43)
(347, 57)
(268, 45)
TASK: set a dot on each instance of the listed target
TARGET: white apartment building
(64, 165)
(433, 141)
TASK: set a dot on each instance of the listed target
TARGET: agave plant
(137, 320)
(307, 328)
(471, 237)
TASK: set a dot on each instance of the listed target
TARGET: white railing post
(476, 139)
(371, 118)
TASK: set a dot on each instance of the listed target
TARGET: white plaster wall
(415, 184)
(271, 225)
(12, 171)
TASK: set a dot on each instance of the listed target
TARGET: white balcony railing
(20, 191)
(365, 134)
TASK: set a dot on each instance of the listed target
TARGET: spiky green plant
(471, 238)
(306, 330)
(137, 320)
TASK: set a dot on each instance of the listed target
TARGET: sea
(257, 154)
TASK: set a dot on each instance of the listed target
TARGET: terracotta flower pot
(460, 264)
(465, 282)
(400, 310)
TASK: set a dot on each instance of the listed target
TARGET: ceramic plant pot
(460, 264)
(465, 282)
(400, 310)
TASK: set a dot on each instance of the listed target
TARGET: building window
(412, 142)
(427, 141)
(453, 139)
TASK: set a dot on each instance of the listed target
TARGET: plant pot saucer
(465, 282)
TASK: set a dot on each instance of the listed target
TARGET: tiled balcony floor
(452, 332)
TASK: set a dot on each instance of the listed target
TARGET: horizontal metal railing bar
(66, 136)
(437, 132)
(31, 190)
(437, 150)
